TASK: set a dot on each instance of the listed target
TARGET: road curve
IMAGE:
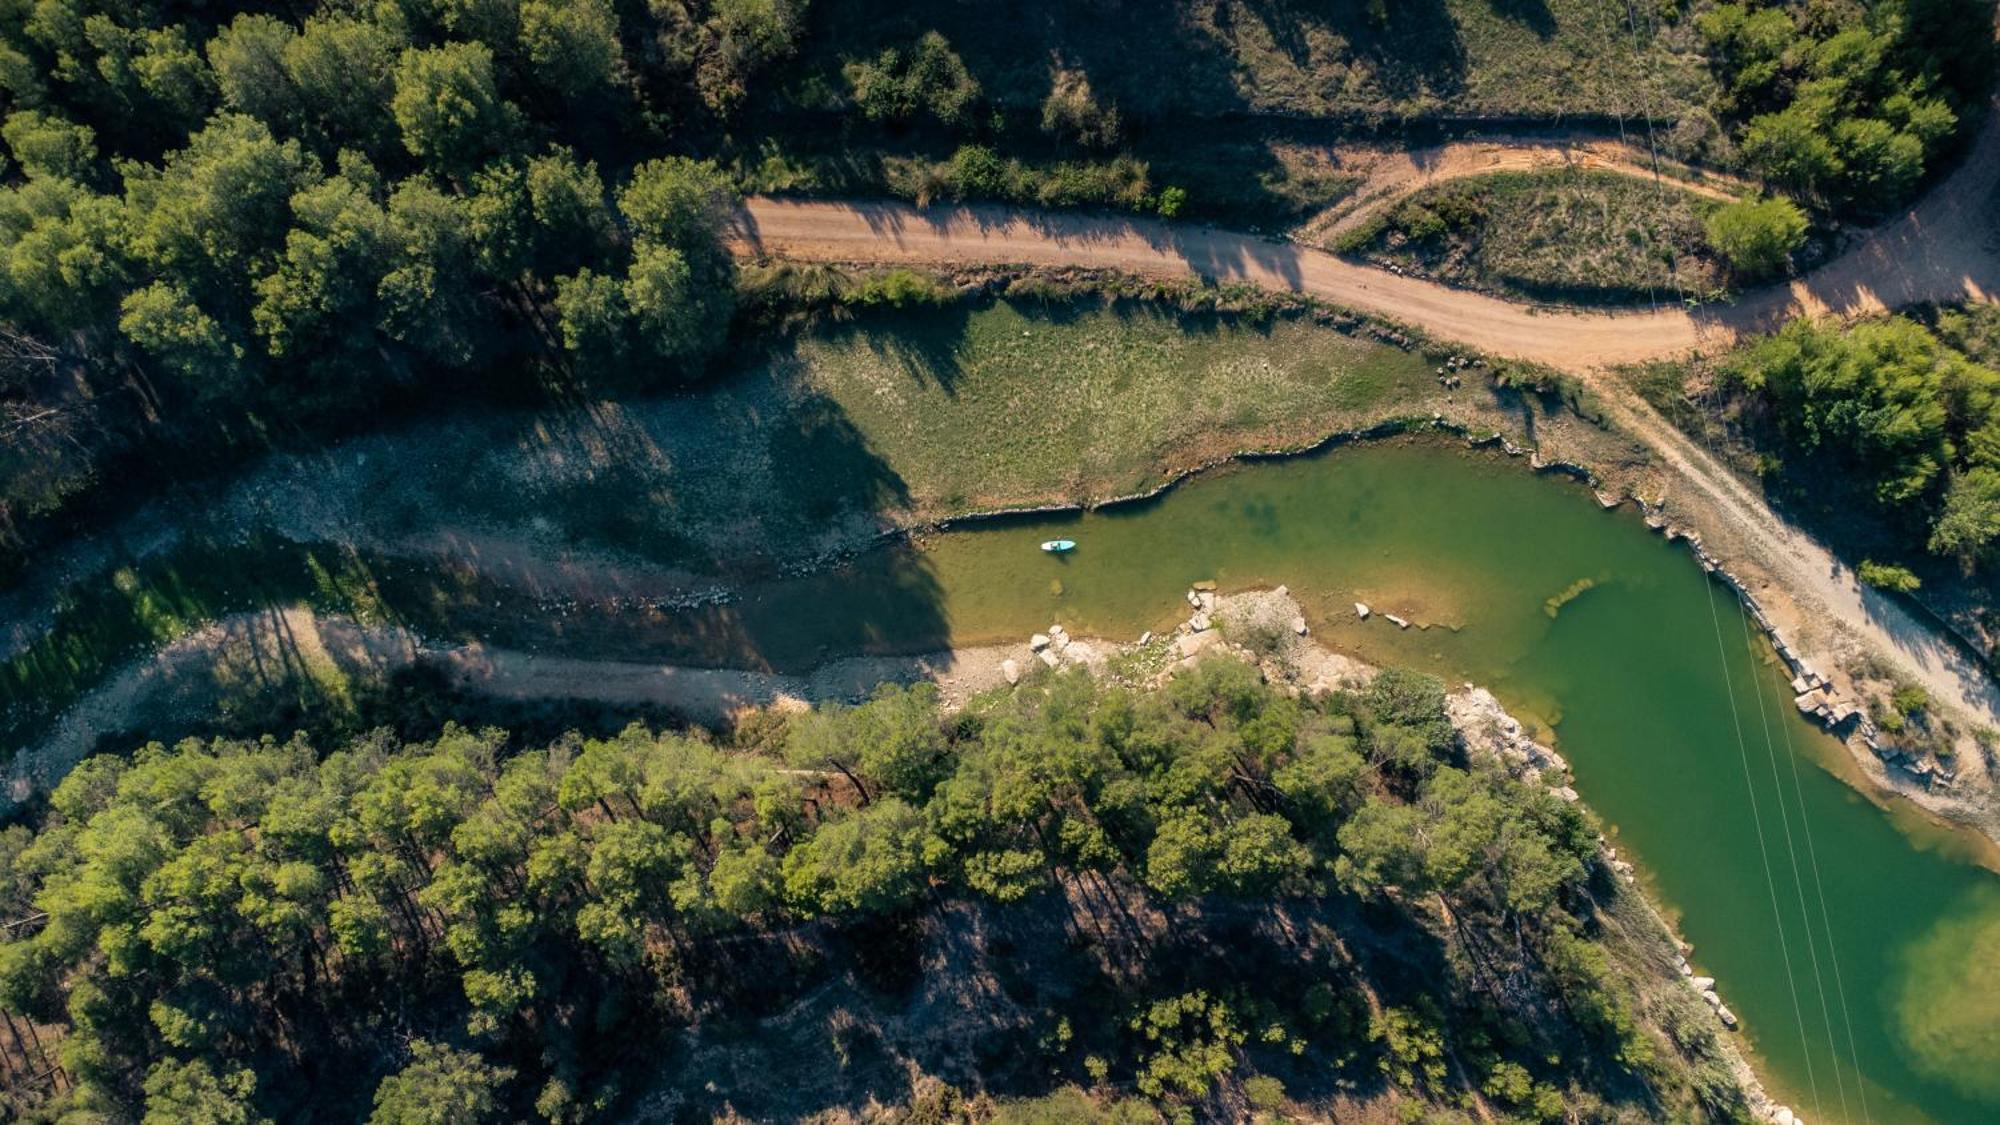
(1389, 175)
(1941, 250)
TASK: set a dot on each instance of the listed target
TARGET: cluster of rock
(1705, 987)
(1486, 728)
(1054, 649)
(1448, 376)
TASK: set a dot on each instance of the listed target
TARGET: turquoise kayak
(1058, 546)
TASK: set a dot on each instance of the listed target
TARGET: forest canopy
(221, 225)
(1850, 104)
(526, 931)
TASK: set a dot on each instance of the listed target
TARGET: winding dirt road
(1944, 249)
(1388, 175)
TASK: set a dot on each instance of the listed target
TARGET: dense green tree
(1756, 236)
(448, 106)
(322, 296)
(215, 214)
(1791, 149)
(1885, 397)
(440, 1086)
(248, 58)
(167, 323)
(593, 316)
(572, 45)
(870, 861)
(1969, 521)
(190, 1093)
(344, 68)
(46, 145)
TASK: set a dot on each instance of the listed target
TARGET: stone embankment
(1815, 694)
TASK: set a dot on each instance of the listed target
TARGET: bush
(897, 85)
(1264, 1092)
(1756, 236)
(901, 289)
(1888, 576)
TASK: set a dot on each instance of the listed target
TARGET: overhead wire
(1763, 850)
(1798, 880)
(1840, 990)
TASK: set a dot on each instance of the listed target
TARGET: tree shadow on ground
(1412, 49)
(1532, 14)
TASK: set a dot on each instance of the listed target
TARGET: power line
(1798, 881)
(1764, 854)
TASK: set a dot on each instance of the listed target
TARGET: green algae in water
(1948, 1003)
(1570, 593)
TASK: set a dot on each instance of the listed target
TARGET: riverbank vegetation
(671, 920)
(1883, 435)
(1569, 235)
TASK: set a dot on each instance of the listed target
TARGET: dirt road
(1391, 174)
(1944, 249)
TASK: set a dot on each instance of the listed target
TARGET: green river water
(1861, 948)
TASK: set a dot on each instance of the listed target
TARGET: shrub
(897, 85)
(1756, 236)
(1190, 1041)
(900, 289)
(1264, 1092)
(1888, 576)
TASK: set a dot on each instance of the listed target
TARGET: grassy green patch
(1007, 407)
(1565, 234)
(898, 417)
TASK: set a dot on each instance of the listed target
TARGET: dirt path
(1392, 174)
(1944, 249)
(295, 648)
